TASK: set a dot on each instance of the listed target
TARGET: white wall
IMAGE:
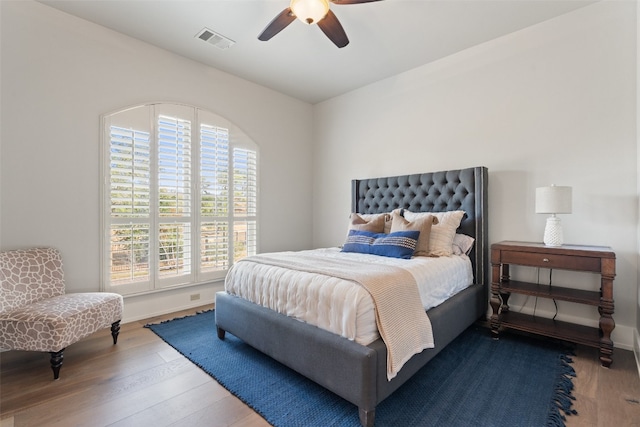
(59, 74)
(636, 342)
(553, 103)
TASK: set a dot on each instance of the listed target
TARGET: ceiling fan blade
(352, 1)
(333, 29)
(278, 24)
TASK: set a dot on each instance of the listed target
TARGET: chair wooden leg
(115, 330)
(56, 362)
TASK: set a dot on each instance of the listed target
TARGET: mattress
(340, 306)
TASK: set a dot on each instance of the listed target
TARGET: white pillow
(462, 244)
(442, 233)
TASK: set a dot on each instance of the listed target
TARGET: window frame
(149, 114)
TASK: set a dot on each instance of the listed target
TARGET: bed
(358, 373)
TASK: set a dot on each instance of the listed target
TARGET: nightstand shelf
(594, 259)
(578, 334)
(553, 292)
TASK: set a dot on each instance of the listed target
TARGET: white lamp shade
(309, 11)
(553, 200)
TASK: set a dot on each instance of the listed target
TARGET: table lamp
(553, 200)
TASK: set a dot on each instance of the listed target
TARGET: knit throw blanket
(402, 322)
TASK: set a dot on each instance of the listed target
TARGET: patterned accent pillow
(401, 244)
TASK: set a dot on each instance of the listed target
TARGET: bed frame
(355, 372)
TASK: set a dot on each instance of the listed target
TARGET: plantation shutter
(129, 207)
(214, 196)
(245, 200)
(179, 200)
(174, 198)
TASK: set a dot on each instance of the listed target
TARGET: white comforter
(341, 306)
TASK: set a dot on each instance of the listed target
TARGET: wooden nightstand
(596, 259)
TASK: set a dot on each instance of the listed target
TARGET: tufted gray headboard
(462, 189)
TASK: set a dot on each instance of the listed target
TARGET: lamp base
(553, 232)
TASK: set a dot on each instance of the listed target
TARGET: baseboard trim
(636, 349)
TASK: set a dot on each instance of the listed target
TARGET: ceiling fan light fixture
(309, 11)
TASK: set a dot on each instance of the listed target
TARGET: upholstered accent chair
(37, 315)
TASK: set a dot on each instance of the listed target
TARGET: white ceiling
(386, 37)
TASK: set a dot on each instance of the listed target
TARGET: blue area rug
(475, 381)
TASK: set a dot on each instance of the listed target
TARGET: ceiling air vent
(216, 39)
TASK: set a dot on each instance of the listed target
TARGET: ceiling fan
(311, 12)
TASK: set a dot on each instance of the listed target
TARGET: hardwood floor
(142, 381)
(605, 396)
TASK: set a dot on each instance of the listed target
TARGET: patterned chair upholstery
(37, 315)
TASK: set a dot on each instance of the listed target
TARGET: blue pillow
(400, 244)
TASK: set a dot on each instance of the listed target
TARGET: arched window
(179, 197)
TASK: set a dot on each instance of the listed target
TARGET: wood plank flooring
(142, 381)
